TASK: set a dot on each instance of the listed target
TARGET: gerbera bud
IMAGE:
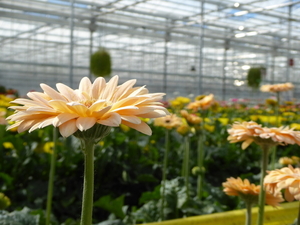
(4, 201)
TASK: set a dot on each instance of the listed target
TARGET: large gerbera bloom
(248, 132)
(249, 192)
(277, 87)
(108, 104)
(287, 178)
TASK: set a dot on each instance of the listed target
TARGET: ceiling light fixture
(240, 35)
(236, 4)
(240, 13)
(252, 33)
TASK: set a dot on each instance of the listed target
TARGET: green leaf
(147, 178)
(112, 205)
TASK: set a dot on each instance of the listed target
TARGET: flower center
(87, 102)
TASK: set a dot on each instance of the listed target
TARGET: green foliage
(112, 205)
(100, 63)
(254, 77)
(128, 172)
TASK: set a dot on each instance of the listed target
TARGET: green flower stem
(248, 213)
(200, 151)
(298, 220)
(88, 183)
(273, 157)
(186, 166)
(51, 178)
(164, 174)
(262, 194)
(277, 107)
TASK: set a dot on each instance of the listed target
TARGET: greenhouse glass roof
(179, 47)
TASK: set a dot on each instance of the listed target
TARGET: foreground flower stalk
(248, 214)
(164, 175)
(88, 183)
(88, 113)
(186, 163)
(51, 178)
(262, 193)
(200, 155)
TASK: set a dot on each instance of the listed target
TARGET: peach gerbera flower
(248, 132)
(287, 178)
(249, 192)
(277, 87)
(169, 121)
(94, 103)
(190, 118)
(202, 104)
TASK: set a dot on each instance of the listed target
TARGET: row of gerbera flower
(286, 178)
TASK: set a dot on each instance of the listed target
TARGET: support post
(71, 44)
(201, 43)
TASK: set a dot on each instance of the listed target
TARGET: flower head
(249, 192)
(107, 104)
(277, 87)
(287, 178)
(190, 118)
(203, 104)
(179, 102)
(183, 129)
(248, 132)
(285, 160)
(169, 121)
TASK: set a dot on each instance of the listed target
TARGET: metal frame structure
(181, 47)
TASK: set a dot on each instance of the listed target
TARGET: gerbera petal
(67, 92)
(68, 128)
(131, 119)
(113, 120)
(80, 109)
(62, 118)
(110, 88)
(37, 98)
(142, 127)
(85, 123)
(246, 143)
(123, 89)
(288, 196)
(85, 85)
(52, 93)
(46, 122)
(97, 87)
(60, 106)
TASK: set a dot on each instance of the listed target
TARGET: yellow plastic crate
(283, 215)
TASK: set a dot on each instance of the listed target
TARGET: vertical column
(71, 43)
(274, 53)
(226, 47)
(165, 72)
(289, 44)
(201, 42)
(92, 29)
